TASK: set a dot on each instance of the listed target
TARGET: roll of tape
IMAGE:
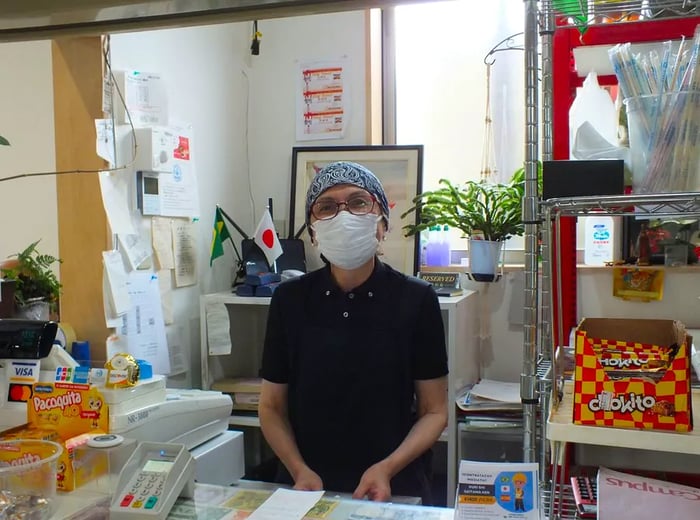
(65, 335)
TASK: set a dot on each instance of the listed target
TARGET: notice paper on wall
(323, 100)
(144, 94)
(218, 327)
(142, 325)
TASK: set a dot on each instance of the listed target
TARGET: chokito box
(632, 373)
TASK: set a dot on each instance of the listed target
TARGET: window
(440, 87)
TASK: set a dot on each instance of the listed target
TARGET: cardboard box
(77, 467)
(244, 392)
(67, 413)
(658, 400)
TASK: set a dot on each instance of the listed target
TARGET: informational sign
(322, 100)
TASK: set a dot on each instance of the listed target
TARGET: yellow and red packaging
(68, 408)
(632, 402)
(67, 413)
(76, 466)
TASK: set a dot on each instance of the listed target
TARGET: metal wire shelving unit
(540, 388)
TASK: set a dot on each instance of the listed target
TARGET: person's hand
(374, 484)
(307, 480)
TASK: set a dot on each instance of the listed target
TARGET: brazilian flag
(219, 234)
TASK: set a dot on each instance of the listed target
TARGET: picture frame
(400, 170)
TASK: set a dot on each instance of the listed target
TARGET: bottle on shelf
(444, 256)
(643, 246)
(432, 248)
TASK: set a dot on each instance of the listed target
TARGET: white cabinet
(248, 316)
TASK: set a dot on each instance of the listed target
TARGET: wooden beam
(82, 224)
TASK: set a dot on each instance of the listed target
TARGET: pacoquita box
(632, 373)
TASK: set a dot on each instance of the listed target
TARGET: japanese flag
(266, 238)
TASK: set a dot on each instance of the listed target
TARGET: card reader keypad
(144, 490)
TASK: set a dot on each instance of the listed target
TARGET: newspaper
(621, 495)
(489, 490)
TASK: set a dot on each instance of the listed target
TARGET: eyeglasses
(327, 209)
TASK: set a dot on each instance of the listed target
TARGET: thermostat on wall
(147, 192)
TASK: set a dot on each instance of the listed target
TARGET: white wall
(27, 206)
(242, 109)
(285, 43)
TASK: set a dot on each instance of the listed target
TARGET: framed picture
(400, 170)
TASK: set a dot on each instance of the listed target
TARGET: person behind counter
(354, 362)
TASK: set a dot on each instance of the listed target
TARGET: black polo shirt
(350, 361)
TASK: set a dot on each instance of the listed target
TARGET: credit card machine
(151, 480)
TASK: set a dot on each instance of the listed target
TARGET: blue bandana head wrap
(345, 172)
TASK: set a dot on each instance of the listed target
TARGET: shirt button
(328, 293)
(370, 294)
(345, 314)
(351, 295)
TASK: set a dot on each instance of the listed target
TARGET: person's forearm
(278, 434)
(420, 438)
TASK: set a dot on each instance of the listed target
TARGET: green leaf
(4, 141)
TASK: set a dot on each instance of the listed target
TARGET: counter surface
(213, 502)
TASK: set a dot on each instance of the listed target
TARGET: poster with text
(322, 100)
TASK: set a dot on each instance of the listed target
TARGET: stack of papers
(488, 394)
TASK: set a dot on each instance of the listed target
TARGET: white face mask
(347, 240)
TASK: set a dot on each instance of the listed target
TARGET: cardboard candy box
(655, 395)
(67, 413)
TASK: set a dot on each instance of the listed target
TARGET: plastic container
(432, 251)
(602, 240)
(594, 105)
(28, 477)
(444, 250)
(664, 142)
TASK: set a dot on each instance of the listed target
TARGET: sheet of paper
(105, 140)
(135, 248)
(112, 320)
(142, 325)
(497, 490)
(497, 390)
(322, 100)
(177, 350)
(179, 191)
(115, 198)
(162, 242)
(218, 328)
(185, 248)
(117, 279)
(165, 281)
(286, 504)
(144, 93)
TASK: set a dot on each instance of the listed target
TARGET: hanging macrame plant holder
(486, 257)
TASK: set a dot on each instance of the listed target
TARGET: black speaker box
(293, 256)
(561, 179)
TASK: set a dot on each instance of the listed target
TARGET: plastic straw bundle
(662, 95)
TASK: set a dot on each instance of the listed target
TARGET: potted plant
(486, 213)
(37, 288)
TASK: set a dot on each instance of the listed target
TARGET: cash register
(146, 412)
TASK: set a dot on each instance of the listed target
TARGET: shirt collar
(368, 287)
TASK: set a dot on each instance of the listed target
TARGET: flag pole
(269, 209)
(231, 221)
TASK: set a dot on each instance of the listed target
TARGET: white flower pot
(485, 259)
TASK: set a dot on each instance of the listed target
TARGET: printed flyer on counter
(488, 490)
